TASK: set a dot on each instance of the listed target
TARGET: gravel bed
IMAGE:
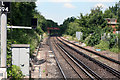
(67, 69)
(102, 72)
(105, 61)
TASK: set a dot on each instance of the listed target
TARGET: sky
(59, 10)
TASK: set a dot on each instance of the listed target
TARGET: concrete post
(0, 33)
(3, 39)
(0, 39)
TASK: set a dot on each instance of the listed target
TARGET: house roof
(113, 23)
(112, 20)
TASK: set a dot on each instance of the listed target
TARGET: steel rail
(64, 76)
(65, 58)
(86, 68)
(110, 59)
(111, 70)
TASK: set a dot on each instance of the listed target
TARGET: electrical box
(20, 57)
(79, 35)
(34, 22)
(3, 73)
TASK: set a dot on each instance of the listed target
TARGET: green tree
(66, 23)
(72, 28)
(21, 13)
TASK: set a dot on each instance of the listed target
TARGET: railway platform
(44, 64)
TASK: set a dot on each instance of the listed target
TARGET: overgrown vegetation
(70, 38)
(15, 73)
(21, 15)
(94, 26)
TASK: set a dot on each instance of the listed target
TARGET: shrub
(75, 39)
(115, 49)
(15, 73)
(112, 40)
(93, 39)
(104, 45)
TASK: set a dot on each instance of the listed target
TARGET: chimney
(116, 20)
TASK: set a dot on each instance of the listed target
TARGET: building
(112, 22)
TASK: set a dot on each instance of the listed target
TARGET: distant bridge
(52, 28)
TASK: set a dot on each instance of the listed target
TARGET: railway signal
(34, 22)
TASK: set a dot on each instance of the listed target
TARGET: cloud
(77, 1)
(100, 5)
(60, 1)
(68, 5)
(101, 0)
(38, 2)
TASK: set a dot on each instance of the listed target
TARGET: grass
(115, 49)
(71, 38)
(43, 71)
(104, 45)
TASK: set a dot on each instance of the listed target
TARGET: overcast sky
(58, 10)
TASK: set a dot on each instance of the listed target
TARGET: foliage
(115, 49)
(15, 73)
(119, 41)
(21, 13)
(93, 39)
(112, 40)
(24, 37)
(110, 43)
(108, 14)
(94, 25)
(72, 28)
(104, 45)
(70, 38)
(65, 24)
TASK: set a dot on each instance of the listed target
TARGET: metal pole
(3, 39)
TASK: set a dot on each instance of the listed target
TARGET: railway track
(110, 59)
(61, 70)
(105, 68)
(80, 65)
(106, 61)
(64, 66)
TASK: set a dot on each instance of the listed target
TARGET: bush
(75, 39)
(115, 49)
(93, 39)
(68, 37)
(15, 73)
(104, 45)
(17, 36)
(112, 40)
